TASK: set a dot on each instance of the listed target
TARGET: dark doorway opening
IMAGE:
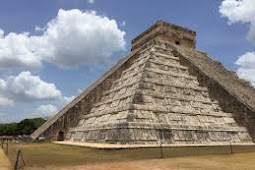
(177, 42)
(60, 136)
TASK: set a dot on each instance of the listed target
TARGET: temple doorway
(60, 136)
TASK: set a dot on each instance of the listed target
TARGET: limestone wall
(167, 104)
(167, 32)
(243, 114)
(107, 117)
(71, 115)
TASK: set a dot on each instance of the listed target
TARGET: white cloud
(5, 101)
(123, 23)
(240, 11)
(65, 100)
(91, 1)
(72, 38)
(39, 29)
(79, 90)
(27, 91)
(18, 50)
(2, 85)
(27, 87)
(246, 68)
(46, 110)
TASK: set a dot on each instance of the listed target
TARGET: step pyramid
(151, 97)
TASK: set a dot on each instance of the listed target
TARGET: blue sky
(64, 80)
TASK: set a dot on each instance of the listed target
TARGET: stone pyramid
(159, 94)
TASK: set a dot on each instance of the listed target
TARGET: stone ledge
(158, 126)
(160, 54)
(119, 146)
(178, 75)
(166, 83)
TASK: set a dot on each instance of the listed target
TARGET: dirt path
(4, 162)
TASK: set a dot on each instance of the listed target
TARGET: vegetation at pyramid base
(24, 127)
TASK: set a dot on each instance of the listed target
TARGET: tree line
(24, 127)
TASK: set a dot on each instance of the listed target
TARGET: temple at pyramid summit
(164, 91)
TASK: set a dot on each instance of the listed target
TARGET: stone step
(171, 109)
(160, 59)
(176, 97)
(124, 96)
(173, 74)
(124, 86)
(113, 111)
(167, 83)
(176, 80)
(172, 90)
(158, 126)
(166, 56)
(122, 81)
(160, 63)
(123, 78)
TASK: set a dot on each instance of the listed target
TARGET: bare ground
(243, 161)
(4, 162)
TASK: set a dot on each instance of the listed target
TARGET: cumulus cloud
(240, 11)
(65, 100)
(72, 38)
(27, 87)
(18, 50)
(246, 68)
(46, 110)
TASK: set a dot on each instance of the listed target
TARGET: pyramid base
(156, 133)
(120, 146)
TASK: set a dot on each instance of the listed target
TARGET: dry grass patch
(244, 161)
(53, 156)
(4, 162)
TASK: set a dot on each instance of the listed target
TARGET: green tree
(25, 127)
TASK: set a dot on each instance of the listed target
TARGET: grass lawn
(47, 154)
